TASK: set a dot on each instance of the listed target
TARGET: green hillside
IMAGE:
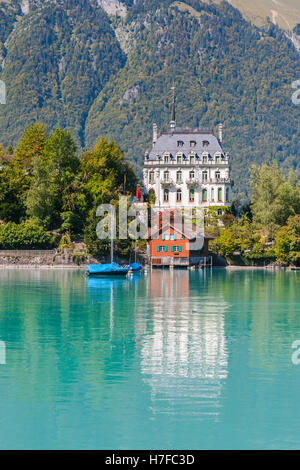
(223, 68)
(70, 63)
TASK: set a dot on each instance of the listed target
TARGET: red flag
(138, 193)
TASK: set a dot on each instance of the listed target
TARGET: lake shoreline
(84, 267)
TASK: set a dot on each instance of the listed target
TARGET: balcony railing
(192, 182)
(166, 182)
(224, 161)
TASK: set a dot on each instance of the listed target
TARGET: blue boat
(112, 269)
(135, 267)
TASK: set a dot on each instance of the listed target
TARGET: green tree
(273, 199)
(32, 144)
(14, 182)
(104, 170)
(40, 198)
(225, 244)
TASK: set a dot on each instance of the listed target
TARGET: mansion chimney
(154, 133)
(220, 132)
(173, 117)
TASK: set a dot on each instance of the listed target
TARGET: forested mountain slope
(107, 67)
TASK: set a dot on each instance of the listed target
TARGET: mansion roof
(202, 141)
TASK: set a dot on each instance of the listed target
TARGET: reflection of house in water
(183, 349)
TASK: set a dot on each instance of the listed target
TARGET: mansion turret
(187, 167)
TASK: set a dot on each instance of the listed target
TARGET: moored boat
(112, 269)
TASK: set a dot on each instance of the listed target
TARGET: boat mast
(111, 246)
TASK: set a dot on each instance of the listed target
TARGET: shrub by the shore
(24, 236)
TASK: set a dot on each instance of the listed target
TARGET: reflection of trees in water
(58, 330)
(183, 347)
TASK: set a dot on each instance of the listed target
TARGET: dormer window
(192, 159)
(179, 158)
(166, 158)
(180, 143)
(218, 158)
(192, 143)
(205, 143)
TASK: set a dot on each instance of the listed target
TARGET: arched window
(204, 195)
(192, 175)
(179, 176)
(227, 195)
(204, 175)
(220, 194)
(166, 176)
(213, 194)
(166, 195)
(192, 195)
(178, 195)
(151, 177)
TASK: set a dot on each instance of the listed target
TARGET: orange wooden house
(170, 246)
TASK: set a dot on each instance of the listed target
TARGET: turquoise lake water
(164, 360)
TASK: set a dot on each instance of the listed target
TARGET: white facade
(188, 168)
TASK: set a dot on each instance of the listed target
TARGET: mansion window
(166, 176)
(204, 195)
(218, 159)
(205, 143)
(212, 194)
(204, 175)
(218, 175)
(166, 158)
(192, 195)
(192, 159)
(227, 194)
(151, 177)
(192, 143)
(179, 176)
(205, 159)
(220, 194)
(180, 143)
(178, 195)
(166, 195)
(179, 158)
(192, 175)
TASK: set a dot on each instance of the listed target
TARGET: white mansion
(187, 168)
